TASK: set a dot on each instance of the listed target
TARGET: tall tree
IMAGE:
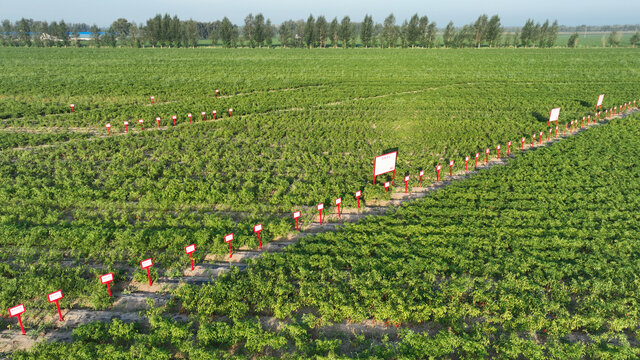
(226, 32)
(334, 32)
(23, 28)
(480, 29)
(191, 33)
(526, 33)
(321, 31)
(121, 28)
(423, 27)
(573, 40)
(413, 30)
(95, 35)
(635, 39)
(494, 31)
(403, 34)
(448, 34)
(431, 34)
(268, 33)
(258, 29)
(552, 34)
(366, 31)
(542, 34)
(248, 30)
(308, 31)
(345, 31)
(389, 31)
(613, 39)
(285, 32)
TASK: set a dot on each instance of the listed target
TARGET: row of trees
(257, 31)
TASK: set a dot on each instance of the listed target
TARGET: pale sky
(511, 12)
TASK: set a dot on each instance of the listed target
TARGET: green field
(306, 125)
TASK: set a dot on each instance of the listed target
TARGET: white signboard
(106, 278)
(54, 296)
(384, 163)
(554, 115)
(16, 310)
(600, 98)
(146, 263)
(189, 249)
(228, 238)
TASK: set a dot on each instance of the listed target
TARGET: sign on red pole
(487, 152)
(508, 148)
(549, 136)
(522, 147)
(296, 216)
(438, 173)
(320, 207)
(146, 264)
(230, 112)
(599, 103)
(257, 229)
(153, 100)
(174, 120)
(533, 140)
(126, 126)
(498, 151)
(583, 118)
(189, 116)
(386, 186)
(540, 138)
(357, 195)
(477, 157)
(55, 297)
(215, 113)
(451, 168)
(106, 279)
(421, 174)
(140, 122)
(158, 120)
(466, 163)
(217, 93)
(228, 239)
(338, 201)
(108, 128)
(554, 115)
(72, 107)
(204, 114)
(383, 164)
(406, 184)
(17, 312)
(189, 250)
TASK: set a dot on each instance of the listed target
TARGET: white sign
(451, 163)
(296, 214)
(421, 173)
(438, 167)
(600, 98)
(146, 263)
(554, 115)
(228, 238)
(16, 310)
(140, 121)
(74, 105)
(204, 113)
(158, 119)
(406, 178)
(126, 123)
(338, 201)
(498, 147)
(320, 207)
(189, 116)
(358, 193)
(189, 249)
(214, 112)
(387, 184)
(230, 110)
(173, 117)
(466, 158)
(55, 296)
(108, 126)
(486, 151)
(106, 278)
(384, 163)
(257, 228)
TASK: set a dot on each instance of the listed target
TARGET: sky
(511, 12)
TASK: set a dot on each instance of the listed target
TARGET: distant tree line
(315, 32)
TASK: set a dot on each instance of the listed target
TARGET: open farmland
(306, 125)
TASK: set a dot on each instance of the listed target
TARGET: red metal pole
(149, 275)
(320, 211)
(339, 214)
(59, 312)
(230, 253)
(259, 241)
(191, 257)
(109, 289)
(21, 327)
(297, 228)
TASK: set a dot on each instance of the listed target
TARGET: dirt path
(133, 299)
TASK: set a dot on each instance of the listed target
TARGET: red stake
(508, 148)
(540, 137)
(153, 100)
(189, 250)
(565, 129)
(451, 168)
(556, 131)
(257, 229)
(158, 120)
(549, 136)
(189, 116)
(296, 216)
(17, 311)
(204, 113)
(406, 184)
(320, 207)
(72, 106)
(498, 152)
(477, 156)
(421, 174)
(126, 126)
(55, 297)
(386, 186)
(338, 202)
(357, 194)
(583, 118)
(533, 140)
(487, 152)
(466, 163)
(522, 148)
(228, 239)
(108, 128)
(140, 122)
(217, 93)
(106, 279)
(438, 173)
(214, 115)
(146, 264)
(174, 120)
(230, 112)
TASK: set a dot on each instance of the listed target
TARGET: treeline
(257, 31)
